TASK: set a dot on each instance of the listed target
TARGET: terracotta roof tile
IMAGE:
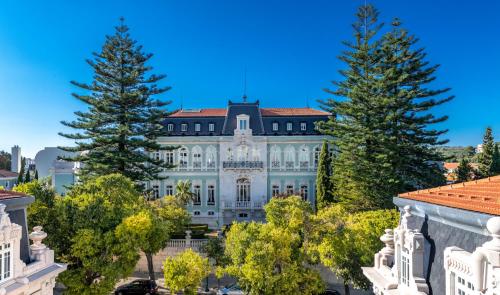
(199, 113)
(479, 195)
(7, 173)
(265, 112)
(4, 195)
(271, 112)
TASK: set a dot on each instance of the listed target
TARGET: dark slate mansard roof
(261, 120)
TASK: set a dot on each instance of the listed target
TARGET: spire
(245, 86)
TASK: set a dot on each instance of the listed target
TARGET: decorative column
(386, 255)
(188, 239)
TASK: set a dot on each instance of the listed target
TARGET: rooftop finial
(245, 85)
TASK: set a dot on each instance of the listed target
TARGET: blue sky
(289, 49)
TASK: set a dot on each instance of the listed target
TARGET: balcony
(197, 165)
(242, 205)
(243, 165)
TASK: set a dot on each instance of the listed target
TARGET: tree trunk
(151, 269)
(347, 291)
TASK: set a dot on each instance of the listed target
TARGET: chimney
(15, 159)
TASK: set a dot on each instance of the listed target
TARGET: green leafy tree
(5, 160)
(152, 227)
(495, 165)
(214, 250)
(271, 258)
(123, 119)
(185, 272)
(465, 172)
(183, 191)
(91, 213)
(345, 242)
(324, 189)
(382, 123)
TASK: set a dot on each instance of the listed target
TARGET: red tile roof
(451, 166)
(199, 113)
(271, 112)
(265, 112)
(479, 195)
(4, 195)
(7, 173)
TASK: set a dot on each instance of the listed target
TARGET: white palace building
(238, 157)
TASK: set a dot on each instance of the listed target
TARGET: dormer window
(275, 126)
(303, 126)
(211, 127)
(289, 126)
(184, 127)
(243, 122)
(197, 127)
(170, 127)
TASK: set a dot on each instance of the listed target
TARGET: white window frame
(169, 189)
(304, 191)
(197, 127)
(169, 157)
(289, 126)
(275, 190)
(211, 127)
(211, 213)
(156, 191)
(170, 127)
(276, 126)
(196, 213)
(197, 194)
(463, 286)
(184, 127)
(303, 126)
(6, 269)
(290, 189)
(210, 194)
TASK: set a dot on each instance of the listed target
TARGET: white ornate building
(238, 157)
(24, 269)
(447, 242)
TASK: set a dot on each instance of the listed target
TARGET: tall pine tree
(324, 190)
(118, 131)
(465, 172)
(486, 156)
(382, 124)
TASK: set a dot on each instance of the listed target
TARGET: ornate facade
(237, 158)
(447, 242)
(24, 268)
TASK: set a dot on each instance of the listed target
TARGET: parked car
(138, 287)
(330, 292)
(230, 290)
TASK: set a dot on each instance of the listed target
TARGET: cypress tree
(465, 172)
(20, 176)
(486, 157)
(36, 174)
(27, 178)
(118, 131)
(382, 117)
(324, 191)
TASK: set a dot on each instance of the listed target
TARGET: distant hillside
(456, 153)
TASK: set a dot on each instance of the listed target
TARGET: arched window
(211, 157)
(183, 157)
(304, 191)
(242, 192)
(290, 157)
(304, 157)
(275, 157)
(197, 157)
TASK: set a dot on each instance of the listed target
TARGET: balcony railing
(196, 165)
(289, 165)
(242, 205)
(243, 165)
